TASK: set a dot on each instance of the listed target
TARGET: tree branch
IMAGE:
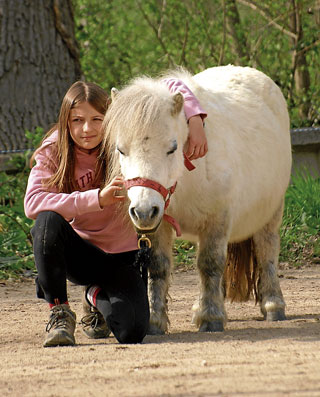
(224, 36)
(156, 31)
(239, 40)
(164, 6)
(266, 15)
(305, 49)
(194, 9)
(183, 51)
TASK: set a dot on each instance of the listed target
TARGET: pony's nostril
(133, 213)
(154, 212)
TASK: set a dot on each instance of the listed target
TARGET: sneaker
(93, 323)
(61, 326)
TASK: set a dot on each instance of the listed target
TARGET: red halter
(165, 193)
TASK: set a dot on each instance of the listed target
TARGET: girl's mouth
(89, 137)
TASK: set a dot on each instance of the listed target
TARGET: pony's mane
(138, 104)
(178, 73)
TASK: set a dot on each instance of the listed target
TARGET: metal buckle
(145, 239)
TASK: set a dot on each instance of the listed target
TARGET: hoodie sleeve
(38, 199)
(192, 106)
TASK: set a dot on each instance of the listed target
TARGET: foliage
(15, 240)
(300, 231)
(16, 256)
(184, 253)
(120, 39)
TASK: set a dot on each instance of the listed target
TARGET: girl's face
(85, 126)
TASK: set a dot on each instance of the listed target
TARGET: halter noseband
(165, 193)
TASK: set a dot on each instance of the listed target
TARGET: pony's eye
(173, 149)
(120, 151)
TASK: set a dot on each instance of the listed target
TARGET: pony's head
(145, 130)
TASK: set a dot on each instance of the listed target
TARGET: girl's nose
(86, 126)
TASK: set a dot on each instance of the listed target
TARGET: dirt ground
(250, 358)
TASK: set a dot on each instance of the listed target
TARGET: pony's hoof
(154, 330)
(276, 316)
(212, 326)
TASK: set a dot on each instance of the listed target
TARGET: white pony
(231, 203)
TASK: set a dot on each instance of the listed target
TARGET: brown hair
(63, 178)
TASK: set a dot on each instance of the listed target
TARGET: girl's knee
(47, 221)
(132, 335)
(46, 218)
(127, 327)
(47, 230)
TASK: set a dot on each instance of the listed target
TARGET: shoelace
(91, 320)
(59, 317)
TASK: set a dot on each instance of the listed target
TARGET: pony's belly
(247, 224)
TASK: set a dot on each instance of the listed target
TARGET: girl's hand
(108, 195)
(196, 145)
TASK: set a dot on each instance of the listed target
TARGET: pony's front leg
(159, 278)
(210, 314)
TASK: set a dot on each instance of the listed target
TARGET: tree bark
(39, 60)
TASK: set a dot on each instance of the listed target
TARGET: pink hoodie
(103, 227)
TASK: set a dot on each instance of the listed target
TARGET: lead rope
(143, 257)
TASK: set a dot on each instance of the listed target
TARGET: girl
(78, 234)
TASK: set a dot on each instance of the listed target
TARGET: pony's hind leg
(158, 285)
(210, 314)
(267, 247)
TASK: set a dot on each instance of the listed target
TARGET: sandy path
(251, 358)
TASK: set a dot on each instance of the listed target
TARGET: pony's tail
(241, 272)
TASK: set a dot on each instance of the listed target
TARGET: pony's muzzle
(144, 217)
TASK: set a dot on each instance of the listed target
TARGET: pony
(231, 204)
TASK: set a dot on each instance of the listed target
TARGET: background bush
(280, 38)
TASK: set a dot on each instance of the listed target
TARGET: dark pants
(61, 254)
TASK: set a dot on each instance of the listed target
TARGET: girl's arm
(196, 146)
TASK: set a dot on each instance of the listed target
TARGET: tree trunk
(38, 62)
(299, 61)
(236, 32)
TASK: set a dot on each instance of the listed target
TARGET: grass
(300, 230)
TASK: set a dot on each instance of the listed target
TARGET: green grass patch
(16, 256)
(184, 253)
(300, 237)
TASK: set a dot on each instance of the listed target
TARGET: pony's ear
(114, 93)
(177, 104)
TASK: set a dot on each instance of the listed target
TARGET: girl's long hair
(63, 179)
